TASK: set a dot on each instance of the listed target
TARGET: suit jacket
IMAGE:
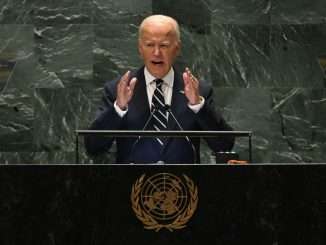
(145, 150)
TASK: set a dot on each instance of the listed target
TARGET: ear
(140, 48)
(178, 48)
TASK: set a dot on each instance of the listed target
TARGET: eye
(149, 45)
(164, 45)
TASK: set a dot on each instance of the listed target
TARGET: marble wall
(265, 58)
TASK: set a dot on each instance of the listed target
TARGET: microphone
(168, 109)
(153, 110)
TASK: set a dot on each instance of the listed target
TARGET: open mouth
(157, 62)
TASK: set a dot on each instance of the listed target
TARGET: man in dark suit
(139, 101)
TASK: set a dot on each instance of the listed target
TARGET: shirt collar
(167, 79)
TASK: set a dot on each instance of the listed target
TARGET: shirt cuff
(120, 112)
(196, 108)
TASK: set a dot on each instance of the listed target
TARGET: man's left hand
(191, 87)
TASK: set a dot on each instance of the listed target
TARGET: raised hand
(125, 90)
(191, 87)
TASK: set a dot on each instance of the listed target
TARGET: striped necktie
(159, 119)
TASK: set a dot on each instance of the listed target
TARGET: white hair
(160, 18)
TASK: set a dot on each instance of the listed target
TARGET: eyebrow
(164, 41)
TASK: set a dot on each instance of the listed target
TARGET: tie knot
(159, 82)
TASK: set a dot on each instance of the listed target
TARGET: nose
(157, 51)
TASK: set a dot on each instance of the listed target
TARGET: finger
(125, 77)
(195, 81)
(186, 81)
(192, 78)
(188, 71)
(132, 83)
(185, 77)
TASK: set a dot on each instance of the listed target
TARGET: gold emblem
(164, 201)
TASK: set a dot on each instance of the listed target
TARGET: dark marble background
(265, 59)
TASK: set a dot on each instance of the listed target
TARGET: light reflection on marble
(46, 16)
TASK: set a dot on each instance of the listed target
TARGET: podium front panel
(162, 204)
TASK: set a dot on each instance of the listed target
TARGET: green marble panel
(194, 53)
(18, 157)
(193, 14)
(121, 12)
(16, 103)
(7, 66)
(58, 113)
(299, 116)
(239, 55)
(125, 6)
(115, 51)
(294, 54)
(240, 12)
(63, 4)
(25, 12)
(66, 51)
(298, 12)
(15, 12)
(16, 122)
(16, 46)
(248, 109)
(322, 64)
(45, 16)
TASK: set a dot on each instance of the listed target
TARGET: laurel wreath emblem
(152, 224)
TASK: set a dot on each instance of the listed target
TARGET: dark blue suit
(175, 150)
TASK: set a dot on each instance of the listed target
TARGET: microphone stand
(168, 109)
(145, 126)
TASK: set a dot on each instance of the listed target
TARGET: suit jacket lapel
(177, 102)
(139, 101)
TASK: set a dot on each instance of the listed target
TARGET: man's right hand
(125, 90)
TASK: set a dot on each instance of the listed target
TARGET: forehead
(161, 30)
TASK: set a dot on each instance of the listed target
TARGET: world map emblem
(164, 200)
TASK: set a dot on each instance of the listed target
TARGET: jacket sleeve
(210, 119)
(106, 119)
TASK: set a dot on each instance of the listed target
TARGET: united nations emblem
(164, 201)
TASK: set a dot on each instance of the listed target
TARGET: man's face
(158, 46)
